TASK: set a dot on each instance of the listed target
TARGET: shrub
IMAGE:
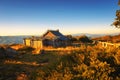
(25, 49)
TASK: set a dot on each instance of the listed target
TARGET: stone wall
(37, 44)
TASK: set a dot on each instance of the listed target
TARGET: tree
(116, 23)
(84, 39)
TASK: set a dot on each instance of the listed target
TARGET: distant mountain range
(12, 39)
(19, 39)
(94, 35)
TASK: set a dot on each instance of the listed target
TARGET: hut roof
(57, 35)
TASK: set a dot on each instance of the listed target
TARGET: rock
(7, 52)
(2, 52)
(22, 76)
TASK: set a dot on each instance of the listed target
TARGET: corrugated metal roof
(58, 35)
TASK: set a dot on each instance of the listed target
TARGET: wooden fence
(108, 44)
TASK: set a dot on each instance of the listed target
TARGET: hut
(54, 38)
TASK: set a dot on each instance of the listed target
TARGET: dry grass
(17, 46)
(21, 62)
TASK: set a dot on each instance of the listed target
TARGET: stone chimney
(57, 30)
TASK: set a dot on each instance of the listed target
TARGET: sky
(35, 17)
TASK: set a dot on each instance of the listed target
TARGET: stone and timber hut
(51, 38)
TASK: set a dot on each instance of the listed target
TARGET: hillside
(86, 63)
(109, 38)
